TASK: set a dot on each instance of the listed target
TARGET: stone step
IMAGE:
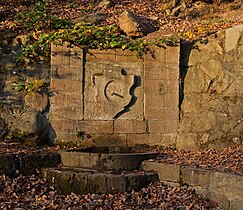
(80, 181)
(105, 161)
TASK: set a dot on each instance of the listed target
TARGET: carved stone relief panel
(111, 91)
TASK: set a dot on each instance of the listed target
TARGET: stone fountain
(116, 101)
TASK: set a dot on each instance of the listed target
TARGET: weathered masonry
(114, 98)
(190, 97)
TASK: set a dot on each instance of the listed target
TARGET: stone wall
(114, 98)
(212, 92)
(22, 114)
(224, 188)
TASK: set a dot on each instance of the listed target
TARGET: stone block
(80, 181)
(204, 121)
(127, 57)
(66, 113)
(79, 160)
(172, 55)
(161, 72)
(221, 199)
(105, 160)
(194, 58)
(58, 99)
(100, 55)
(93, 127)
(166, 172)
(201, 190)
(195, 177)
(213, 68)
(64, 125)
(129, 126)
(63, 58)
(162, 139)
(187, 141)
(67, 72)
(191, 102)
(232, 37)
(158, 113)
(109, 140)
(227, 183)
(185, 124)
(161, 87)
(236, 203)
(194, 81)
(56, 58)
(166, 126)
(157, 54)
(56, 48)
(70, 138)
(137, 139)
(76, 57)
(116, 184)
(63, 85)
(62, 99)
(164, 100)
(66, 55)
(112, 92)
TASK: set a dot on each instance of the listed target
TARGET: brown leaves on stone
(35, 193)
(227, 160)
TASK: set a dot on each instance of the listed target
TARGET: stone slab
(66, 113)
(163, 140)
(166, 126)
(137, 139)
(195, 177)
(129, 126)
(102, 161)
(236, 203)
(81, 181)
(166, 172)
(112, 91)
(227, 183)
(92, 127)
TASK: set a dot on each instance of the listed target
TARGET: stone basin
(106, 158)
(82, 181)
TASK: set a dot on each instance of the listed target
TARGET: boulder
(32, 128)
(131, 24)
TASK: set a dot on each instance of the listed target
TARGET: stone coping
(224, 188)
(105, 161)
(81, 181)
(27, 164)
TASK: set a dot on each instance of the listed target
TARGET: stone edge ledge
(224, 188)
(13, 165)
